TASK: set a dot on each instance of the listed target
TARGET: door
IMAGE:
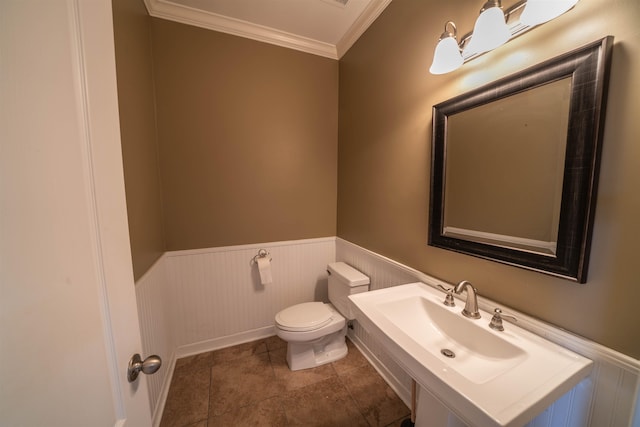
(68, 316)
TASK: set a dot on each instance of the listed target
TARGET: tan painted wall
(138, 132)
(386, 95)
(247, 138)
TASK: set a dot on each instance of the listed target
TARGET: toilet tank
(345, 280)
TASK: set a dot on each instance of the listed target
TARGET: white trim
(248, 246)
(156, 417)
(187, 15)
(401, 390)
(337, 3)
(84, 122)
(157, 338)
(224, 342)
(369, 15)
(412, 271)
(635, 421)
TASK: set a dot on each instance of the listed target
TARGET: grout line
(354, 400)
(209, 410)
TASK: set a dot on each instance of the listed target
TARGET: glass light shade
(447, 56)
(540, 11)
(489, 32)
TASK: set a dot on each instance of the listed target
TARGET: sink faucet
(471, 306)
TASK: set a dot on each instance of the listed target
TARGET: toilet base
(327, 349)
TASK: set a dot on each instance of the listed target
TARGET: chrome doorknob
(147, 366)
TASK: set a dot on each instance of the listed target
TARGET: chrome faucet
(471, 306)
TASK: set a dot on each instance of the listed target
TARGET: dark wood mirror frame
(589, 69)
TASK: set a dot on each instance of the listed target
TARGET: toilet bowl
(315, 331)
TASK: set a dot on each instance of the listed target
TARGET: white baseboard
(401, 390)
(164, 391)
(223, 342)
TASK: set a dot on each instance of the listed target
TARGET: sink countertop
(496, 379)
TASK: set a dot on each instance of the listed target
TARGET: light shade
(490, 30)
(540, 11)
(447, 56)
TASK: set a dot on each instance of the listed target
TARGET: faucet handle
(448, 301)
(496, 320)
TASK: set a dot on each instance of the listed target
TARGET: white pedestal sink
(487, 378)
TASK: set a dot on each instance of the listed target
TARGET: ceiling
(321, 27)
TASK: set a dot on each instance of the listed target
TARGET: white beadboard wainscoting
(201, 300)
(609, 397)
(217, 292)
(155, 314)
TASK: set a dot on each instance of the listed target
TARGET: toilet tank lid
(350, 274)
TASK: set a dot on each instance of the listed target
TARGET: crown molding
(370, 14)
(166, 9)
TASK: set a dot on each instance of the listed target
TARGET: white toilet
(314, 331)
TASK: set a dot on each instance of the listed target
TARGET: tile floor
(251, 385)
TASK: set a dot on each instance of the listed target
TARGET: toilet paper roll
(264, 268)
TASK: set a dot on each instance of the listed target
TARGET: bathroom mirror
(515, 165)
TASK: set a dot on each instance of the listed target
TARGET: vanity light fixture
(493, 28)
(490, 30)
(447, 56)
(540, 11)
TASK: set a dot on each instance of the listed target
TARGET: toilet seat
(303, 317)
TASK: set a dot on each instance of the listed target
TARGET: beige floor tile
(292, 380)
(323, 404)
(268, 413)
(376, 400)
(188, 399)
(353, 359)
(398, 423)
(275, 343)
(198, 361)
(251, 385)
(242, 382)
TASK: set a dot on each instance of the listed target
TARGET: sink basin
(487, 378)
(479, 355)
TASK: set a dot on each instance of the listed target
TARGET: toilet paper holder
(262, 253)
